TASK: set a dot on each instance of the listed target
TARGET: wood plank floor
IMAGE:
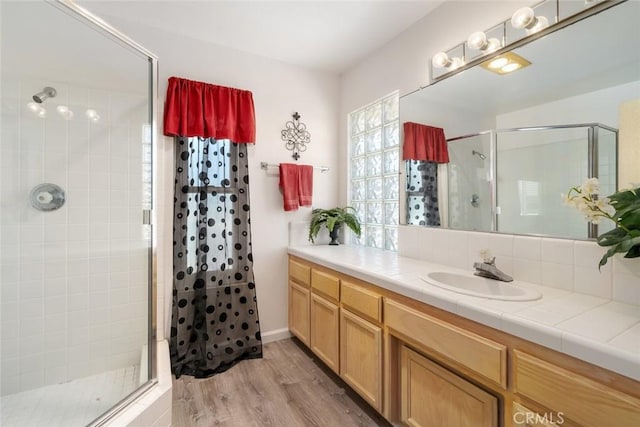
(288, 387)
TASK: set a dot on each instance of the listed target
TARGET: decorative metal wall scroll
(296, 136)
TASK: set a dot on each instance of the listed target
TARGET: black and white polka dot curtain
(214, 320)
(422, 193)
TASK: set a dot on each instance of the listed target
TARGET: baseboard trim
(275, 335)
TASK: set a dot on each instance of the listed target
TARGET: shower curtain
(214, 322)
(423, 148)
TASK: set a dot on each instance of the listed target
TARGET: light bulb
(493, 44)
(477, 41)
(440, 60)
(510, 67)
(541, 23)
(455, 64)
(498, 63)
(522, 17)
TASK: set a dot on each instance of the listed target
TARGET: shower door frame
(149, 217)
(592, 160)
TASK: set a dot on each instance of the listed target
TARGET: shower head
(479, 154)
(47, 92)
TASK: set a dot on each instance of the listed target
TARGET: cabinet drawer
(477, 353)
(578, 398)
(362, 301)
(326, 284)
(299, 272)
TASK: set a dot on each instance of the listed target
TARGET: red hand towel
(305, 184)
(289, 185)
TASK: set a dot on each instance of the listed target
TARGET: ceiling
(325, 35)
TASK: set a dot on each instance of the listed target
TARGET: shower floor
(70, 404)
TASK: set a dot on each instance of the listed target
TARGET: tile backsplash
(559, 263)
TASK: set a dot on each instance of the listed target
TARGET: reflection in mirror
(541, 130)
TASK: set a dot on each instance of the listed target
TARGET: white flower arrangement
(622, 207)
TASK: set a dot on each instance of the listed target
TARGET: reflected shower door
(535, 167)
(469, 183)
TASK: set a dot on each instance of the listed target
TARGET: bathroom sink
(469, 284)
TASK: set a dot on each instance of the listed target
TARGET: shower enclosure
(75, 202)
(511, 180)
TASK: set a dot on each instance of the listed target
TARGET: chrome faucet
(487, 268)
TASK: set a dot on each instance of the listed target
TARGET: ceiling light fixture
(479, 41)
(505, 64)
(525, 18)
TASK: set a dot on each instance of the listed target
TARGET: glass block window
(374, 141)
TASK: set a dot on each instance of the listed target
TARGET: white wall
(278, 90)
(601, 106)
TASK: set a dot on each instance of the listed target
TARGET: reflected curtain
(423, 148)
(422, 142)
(422, 193)
(214, 321)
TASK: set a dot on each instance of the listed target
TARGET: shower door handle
(475, 200)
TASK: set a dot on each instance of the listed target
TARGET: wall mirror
(517, 141)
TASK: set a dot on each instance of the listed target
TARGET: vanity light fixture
(442, 60)
(525, 18)
(479, 41)
(505, 64)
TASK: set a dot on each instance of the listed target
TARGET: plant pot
(334, 235)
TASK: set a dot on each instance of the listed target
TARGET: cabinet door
(324, 331)
(361, 357)
(434, 396)
(299, 312)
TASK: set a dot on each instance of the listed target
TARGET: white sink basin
(469, 284)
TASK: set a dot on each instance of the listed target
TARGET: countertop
(599, 331)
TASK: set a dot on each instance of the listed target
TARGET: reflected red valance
(422, 142)
(202, 109)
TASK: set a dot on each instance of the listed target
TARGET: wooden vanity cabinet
(423, 366)
(580, 400)
(361, 342)
(432, 396)
(325, 318)
(299, 300)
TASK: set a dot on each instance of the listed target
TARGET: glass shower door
(74, 251)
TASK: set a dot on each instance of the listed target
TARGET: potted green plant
(333, 220)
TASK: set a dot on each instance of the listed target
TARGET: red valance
(422, 142)
(202, 109)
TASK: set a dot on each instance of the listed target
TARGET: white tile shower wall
(560, 263)
(74, 280)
